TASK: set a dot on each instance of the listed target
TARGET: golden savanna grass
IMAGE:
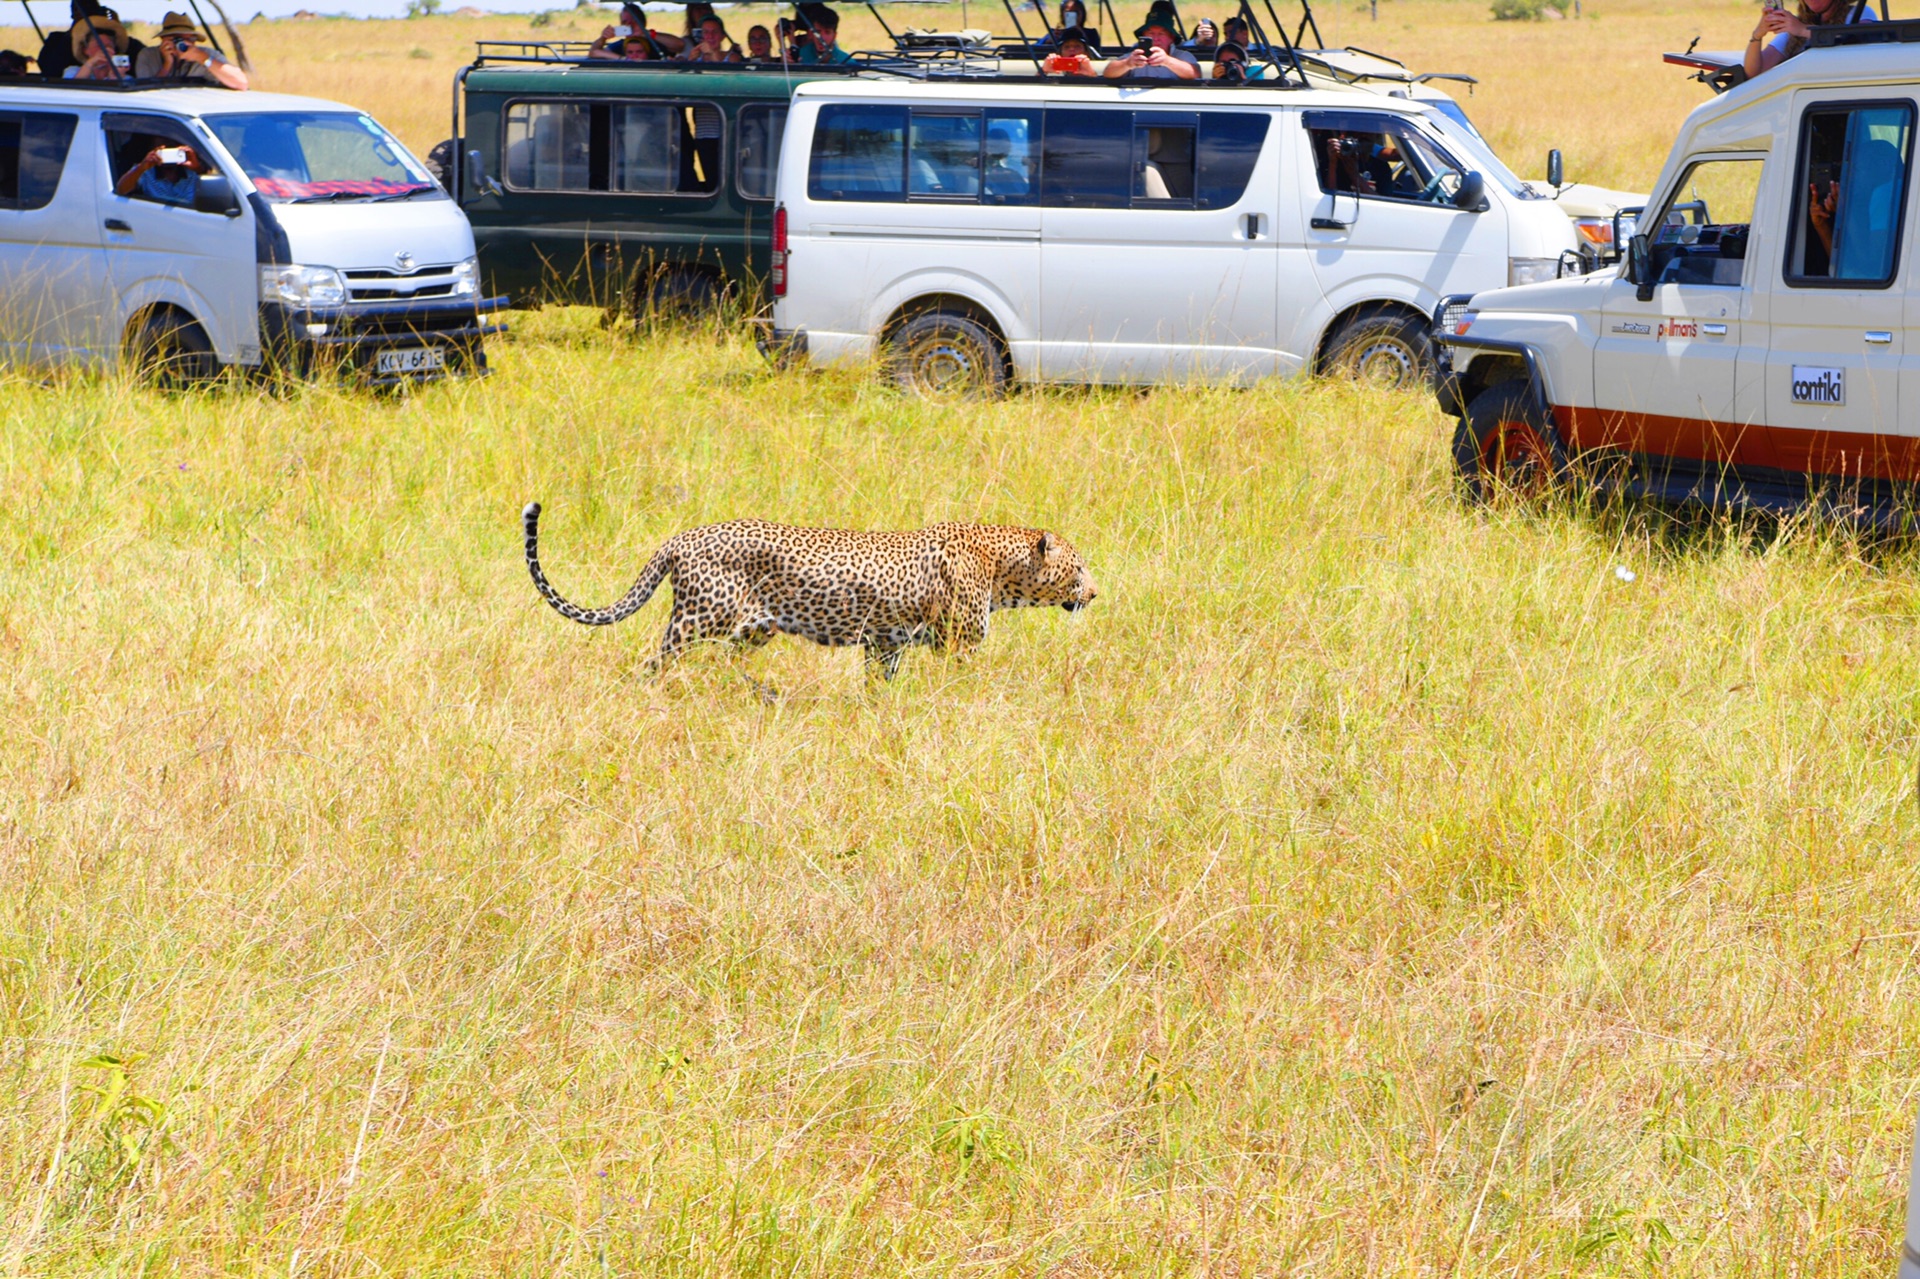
(1366, 884)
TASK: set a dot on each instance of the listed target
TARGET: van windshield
(304, 157)
(1451, 123)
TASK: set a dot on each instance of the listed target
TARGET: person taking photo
(177, 54)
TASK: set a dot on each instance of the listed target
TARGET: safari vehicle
(1107, 231)
(309, 237)
(615, 183)
(1758, 346)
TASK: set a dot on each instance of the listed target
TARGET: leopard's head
(1049, 572)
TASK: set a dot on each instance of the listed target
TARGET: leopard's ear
(1045, 543)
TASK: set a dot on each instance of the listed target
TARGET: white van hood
(363, 236)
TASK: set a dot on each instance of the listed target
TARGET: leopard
(746, 581)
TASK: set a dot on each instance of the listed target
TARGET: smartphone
(622, 31)
(171, 155)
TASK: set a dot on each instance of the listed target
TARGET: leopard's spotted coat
(747, 581)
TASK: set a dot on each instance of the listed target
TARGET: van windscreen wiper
(407, 194)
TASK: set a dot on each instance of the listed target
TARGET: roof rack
(1905, 31)
(150, 84)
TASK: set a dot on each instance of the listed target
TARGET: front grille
(380, 285)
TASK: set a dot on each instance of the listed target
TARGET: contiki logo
(1819, 385)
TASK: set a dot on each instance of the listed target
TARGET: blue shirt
(810, 56)
(179, 190)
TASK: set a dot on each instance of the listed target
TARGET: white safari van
(1097, 231)
(307, 230)
(1760, 344)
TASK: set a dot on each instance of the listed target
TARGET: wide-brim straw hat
(86, 28)
(179, 24)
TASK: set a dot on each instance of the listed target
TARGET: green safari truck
(623, 184)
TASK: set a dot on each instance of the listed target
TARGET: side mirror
(1556, 169)
(214, 194)
(482, 180)
(1640, 266)
(1472, 195)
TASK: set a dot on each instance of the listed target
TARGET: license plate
(416, 359)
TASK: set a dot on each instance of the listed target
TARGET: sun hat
(86, 28)
(178, 24)
(1088, 36)
(1159, 20)
(1230, 44)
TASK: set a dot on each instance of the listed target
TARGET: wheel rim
(1516, 458)
(1384, 362)
(945, 364)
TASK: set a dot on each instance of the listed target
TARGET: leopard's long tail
(650, 578)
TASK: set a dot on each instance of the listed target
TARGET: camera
(121, 62)
(1232, 72)
(181, 46)
(171, 155)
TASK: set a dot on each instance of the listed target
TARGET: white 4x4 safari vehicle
(1753, 347)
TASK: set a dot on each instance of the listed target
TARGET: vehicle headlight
(466, 278)
(302, 286)
(1532, 270)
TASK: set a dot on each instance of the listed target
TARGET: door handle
(1329, 224)
(1251, 222)
(115, 224)
(1714, 330)
(1879, 337)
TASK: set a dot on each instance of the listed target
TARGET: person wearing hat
(99, 49)
(1156, 58)
(1230, 63)
(1075, 54)
(177, 55)
(57, 51)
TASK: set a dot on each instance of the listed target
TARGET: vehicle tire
(944, 355)
(169, 349)
(1504, 446)
(675, 292)
(1388, 349)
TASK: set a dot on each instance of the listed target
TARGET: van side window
(33, 151)
(628, 148)
(1702, 235)
(859, 153)
(760, 125)
(1850, 201)
(943, 156)
(1087, 159)
(1012, 174)
(1230, 143)
(1163, 157)
(1381, 156)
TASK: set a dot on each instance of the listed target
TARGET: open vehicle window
(296, 157)
(1850, 200)
(760, 127)
(131, 135)
(1164, 149)
(623, 148)
(1380, 156)
(33, 152)
(1702, 235)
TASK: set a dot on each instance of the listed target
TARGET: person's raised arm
(130, 180)
(1761, 55)
(221, 70)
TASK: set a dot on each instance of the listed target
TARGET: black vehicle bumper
(782, 346)
(352, 337)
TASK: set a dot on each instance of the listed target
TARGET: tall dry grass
(1366, 884)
